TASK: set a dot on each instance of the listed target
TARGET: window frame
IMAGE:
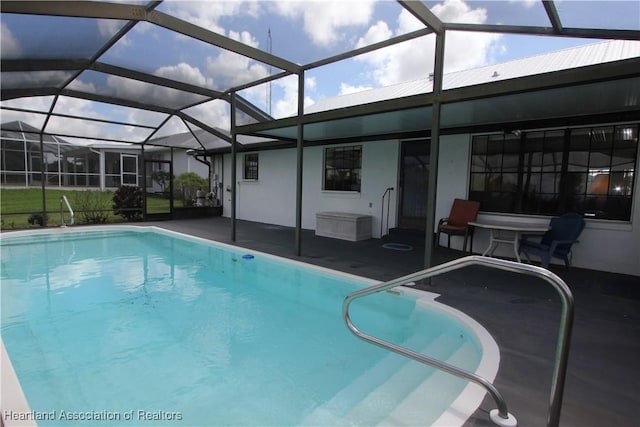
(251, 167)
(351, 184)
(559, 174)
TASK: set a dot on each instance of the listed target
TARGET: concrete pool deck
(522, 313)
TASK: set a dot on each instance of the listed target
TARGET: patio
(521, 313)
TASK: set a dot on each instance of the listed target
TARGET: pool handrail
(500, 415)
(73, 217)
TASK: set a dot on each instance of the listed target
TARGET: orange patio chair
(457, 223)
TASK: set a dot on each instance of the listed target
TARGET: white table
(513, 231)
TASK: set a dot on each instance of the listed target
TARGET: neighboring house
(63, 164)
(585, 161)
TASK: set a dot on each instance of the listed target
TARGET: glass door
(414, 184)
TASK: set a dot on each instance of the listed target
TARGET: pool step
(362, 401)
(433, 395)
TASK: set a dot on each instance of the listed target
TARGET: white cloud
(346, 88)
(232, 69)
(108, 27)
(376, 33)
(39, 103)
(214, 113)
(324, 20)
(414, 59)
(8, 44)
(287, 105)
(459, 11)
(184, 72)
(35, 79)
(208, 13)
(526, 3)
(310, 83)
(66, 105)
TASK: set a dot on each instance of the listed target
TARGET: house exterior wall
(604, 245)
(183, 163)
(272, 198)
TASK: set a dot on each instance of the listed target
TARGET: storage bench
(343, 225)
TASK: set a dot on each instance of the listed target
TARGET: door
(414, 184)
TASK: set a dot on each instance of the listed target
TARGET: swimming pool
(137, 325)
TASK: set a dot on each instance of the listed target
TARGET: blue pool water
(146, 327)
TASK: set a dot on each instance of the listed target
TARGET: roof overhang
(597, 90)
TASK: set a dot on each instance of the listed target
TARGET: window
(342, 168)
(251, 166)
(586, 170)
(120, 169)
(129, 169)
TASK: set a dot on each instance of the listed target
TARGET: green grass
(17, 205)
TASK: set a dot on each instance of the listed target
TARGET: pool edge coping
(12, 396)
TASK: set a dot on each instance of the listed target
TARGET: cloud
(526, 3)
(37, 103)
(40, 79)
(66, 105)
(8, 44)
(232, 69)
(109, 27)
(287, 104)
(323, 21)
(346, 88)
(376, 33)
(184, 72)
(207, 14)
(213, 113)
(158, 95)
(414, 59)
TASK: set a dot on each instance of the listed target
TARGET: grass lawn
(17, 205)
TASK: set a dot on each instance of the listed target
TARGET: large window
(251, 167)
(342, 168)
(586, 170)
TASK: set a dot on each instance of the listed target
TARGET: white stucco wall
(272, 198)
(604, 245)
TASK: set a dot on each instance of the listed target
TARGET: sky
(300, 31)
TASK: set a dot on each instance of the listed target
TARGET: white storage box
(343, 225)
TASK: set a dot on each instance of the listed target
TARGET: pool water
(138, 326)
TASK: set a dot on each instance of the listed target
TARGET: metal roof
(581, 56)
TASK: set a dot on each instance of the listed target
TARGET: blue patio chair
(557, 242)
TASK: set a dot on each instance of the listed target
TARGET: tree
(162, 178)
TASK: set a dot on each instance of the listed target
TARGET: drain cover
(398, 247)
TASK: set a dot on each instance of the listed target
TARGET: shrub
(186, 185)
(91, 206)
(37, 218)
(128, 202)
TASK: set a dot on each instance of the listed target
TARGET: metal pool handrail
(73, 217)
(500, 416)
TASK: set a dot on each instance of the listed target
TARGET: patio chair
(557, 242)
(457, 223)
